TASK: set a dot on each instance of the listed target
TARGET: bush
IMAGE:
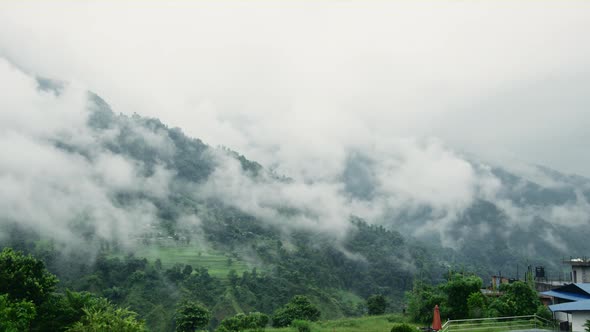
(402, 328)
(298, 308)
(543, 312)
(255, 321)
(191, 316)
(376, 304)
(301, 325)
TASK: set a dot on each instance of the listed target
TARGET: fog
(428, 95)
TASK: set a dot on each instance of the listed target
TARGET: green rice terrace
(216, 262)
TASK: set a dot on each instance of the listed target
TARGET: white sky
(296, 84)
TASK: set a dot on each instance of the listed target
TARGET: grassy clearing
(381, 323)
(218, 263)
(494, 326)
(384, 323)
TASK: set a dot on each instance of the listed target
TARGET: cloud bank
(373, 109)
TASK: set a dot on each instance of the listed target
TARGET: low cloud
(68, 194)
(376, 114)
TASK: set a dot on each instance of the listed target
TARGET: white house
(571, 304)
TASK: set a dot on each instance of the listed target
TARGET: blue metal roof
(571, 306)
(567, 295)
(578, 288)
(584, 286)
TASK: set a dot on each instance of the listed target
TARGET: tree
(191, 316)
(458, 288)
(298, 308)
(60, 311)
(16, 316)
(544, 312)
(421, 302)
(23, 277)
(103, 316)
(476, 304)
(253, 321)
(301, 325)
(232, 324)
(158, 264)
(587, 326)
(187, 270)
(256, 321)
(519, 299)
(376, 304)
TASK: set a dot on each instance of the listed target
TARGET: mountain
(146, 216)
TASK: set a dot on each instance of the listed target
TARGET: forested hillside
(145, 216)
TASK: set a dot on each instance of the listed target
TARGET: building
(580, 269)
(570, 305)
(576, 314)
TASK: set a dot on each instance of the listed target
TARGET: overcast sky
(295, 85)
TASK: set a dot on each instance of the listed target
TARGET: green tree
(476, 304)
(187, 270)
(16, 316)
(233, 324)
(301, 325)
(421, 301)
(255, 321)
(300, 307)
(60, 311)
(376, 304)
(587, 326)
(458, 288)
(544, 312)
(103, 316)
(23, 277)
(191, 316)
(519, 299)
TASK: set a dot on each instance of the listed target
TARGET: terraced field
(219, 264)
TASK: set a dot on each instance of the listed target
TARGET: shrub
(301, 325)
(376, 304)
(255, 321)
(298, 308)
(543, 312)
(402, 328)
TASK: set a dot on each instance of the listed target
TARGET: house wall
(561, 316)
(582, 274)
(579, 318)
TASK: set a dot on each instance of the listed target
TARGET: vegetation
(27, 302)
(299, 308)
(254, 321)
(23, 277)
(191, 316)
(104, 316)
(183, 276)
(376, 304)
(301, 325)
(402, 328)
(378, 323)
(460, 298)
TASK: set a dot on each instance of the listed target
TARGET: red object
(436, 325)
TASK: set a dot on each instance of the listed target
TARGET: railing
(498, 324)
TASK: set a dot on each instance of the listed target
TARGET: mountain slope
(95, 193)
